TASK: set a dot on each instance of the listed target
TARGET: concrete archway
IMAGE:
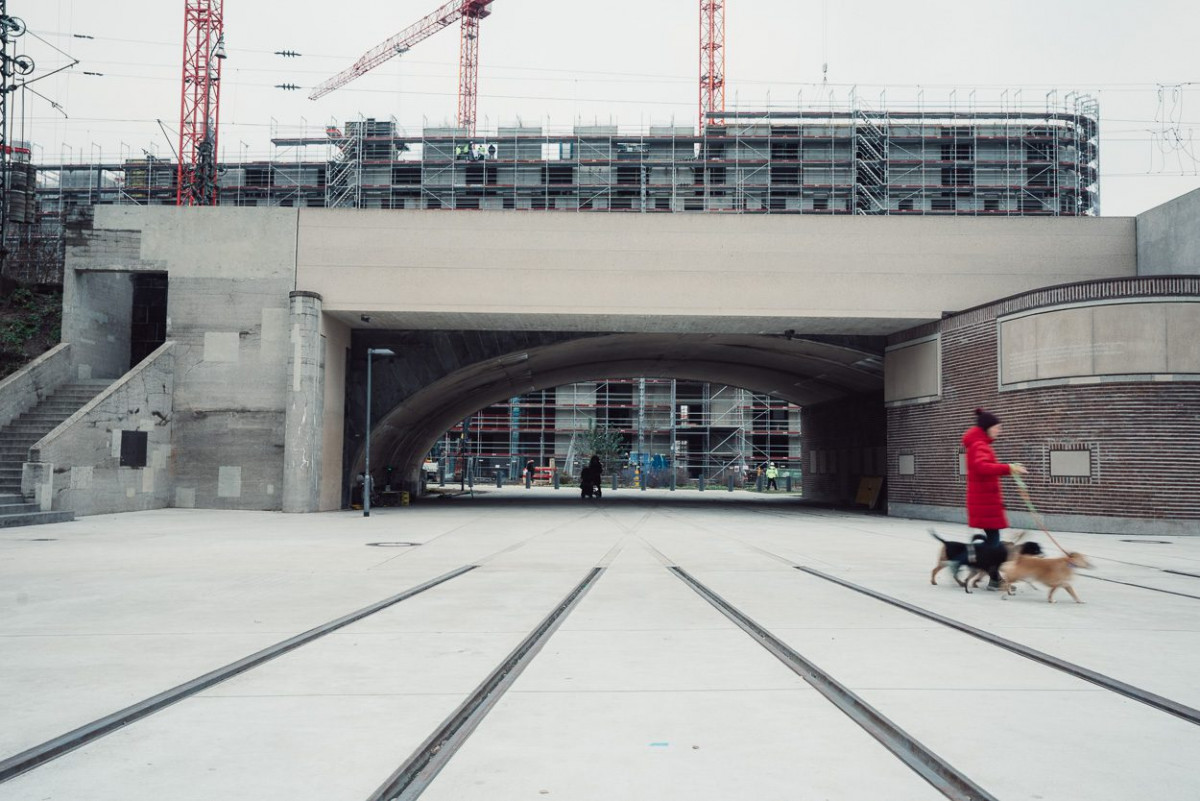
(804, 371)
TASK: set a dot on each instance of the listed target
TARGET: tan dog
(1054, 573)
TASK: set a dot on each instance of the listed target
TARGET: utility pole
(11, 28)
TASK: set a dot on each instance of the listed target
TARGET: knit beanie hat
(985, 419)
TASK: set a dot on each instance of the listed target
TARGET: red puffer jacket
(985, 502)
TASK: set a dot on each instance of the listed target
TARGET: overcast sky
(627, 62)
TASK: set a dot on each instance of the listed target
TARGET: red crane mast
(712, 60)
(470, 12)
(200, 102)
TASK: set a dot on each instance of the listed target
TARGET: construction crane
(470, 12)
(712, 61)
(200, 102)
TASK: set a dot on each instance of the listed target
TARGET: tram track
(772, 513)
(1190, 714)
(926, 763)
(39, 755)
(411, 779)
(424, 764)
(1161, 703)
(1145, 586)
(43, 753)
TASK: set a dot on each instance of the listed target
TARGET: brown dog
(1054, 573)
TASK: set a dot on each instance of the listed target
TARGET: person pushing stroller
(589, 478)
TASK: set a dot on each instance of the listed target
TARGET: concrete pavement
(645, 691)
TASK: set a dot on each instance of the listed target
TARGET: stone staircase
(20, 435)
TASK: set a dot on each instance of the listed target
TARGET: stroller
(589, 480)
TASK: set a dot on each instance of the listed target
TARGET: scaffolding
(1010, 161)
(685, 429)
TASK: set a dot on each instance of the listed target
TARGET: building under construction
(668, 429)
(856, 161)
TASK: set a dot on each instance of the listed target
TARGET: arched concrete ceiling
(801, 371)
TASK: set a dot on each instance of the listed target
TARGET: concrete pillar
(304, 413)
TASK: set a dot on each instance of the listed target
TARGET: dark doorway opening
(148, 326)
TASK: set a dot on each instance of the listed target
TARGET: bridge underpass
(270, 311)
(436, 379)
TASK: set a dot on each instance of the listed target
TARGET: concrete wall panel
(230, 242)
(1018, 350)
(644, 271)
(1130, 338)
(1183, 338)
(1075, 463)
(912, 371)
(1168, 239)
(1155, 337)
(97, 307)
(210, 445)
(1064, 342)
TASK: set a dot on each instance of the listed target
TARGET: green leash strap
(1024, 491)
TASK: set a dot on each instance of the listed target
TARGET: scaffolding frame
(687, 428)
(860, 159)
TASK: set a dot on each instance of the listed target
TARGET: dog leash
(1024, 491)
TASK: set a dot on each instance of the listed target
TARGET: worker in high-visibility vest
(772, 473)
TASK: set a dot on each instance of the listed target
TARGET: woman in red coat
(985, 502)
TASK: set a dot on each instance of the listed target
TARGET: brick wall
(1143, 437)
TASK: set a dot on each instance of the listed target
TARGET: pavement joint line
(607, 559)
(516, 545)
(413, 777)
(65, 743)
(1190, 714)
(1139, 564)
(666, 561)
(1143, 586)
(939, 773)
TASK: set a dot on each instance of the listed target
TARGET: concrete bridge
(270, 312)
(495, 305)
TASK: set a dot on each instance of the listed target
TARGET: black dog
(954, 555)
(979, 556)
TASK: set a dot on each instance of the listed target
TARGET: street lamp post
(367, 467)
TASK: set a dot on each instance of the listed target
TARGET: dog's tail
(934, 534)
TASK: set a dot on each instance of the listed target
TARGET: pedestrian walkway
(586, 650)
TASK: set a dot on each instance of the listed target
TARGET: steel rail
(52, 749)
(943, 776)
(419, 770)
(1190, 714)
